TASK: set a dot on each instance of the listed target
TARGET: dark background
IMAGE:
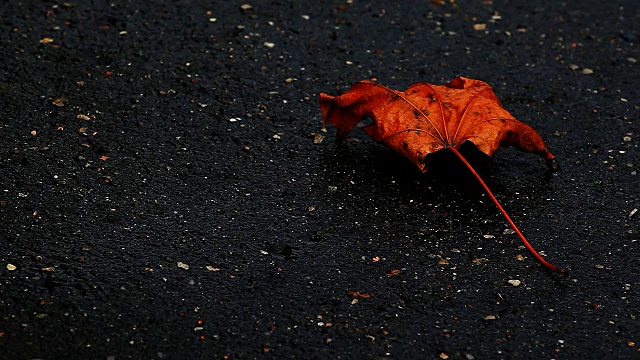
(137, 135)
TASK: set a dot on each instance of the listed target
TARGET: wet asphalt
(167, 190)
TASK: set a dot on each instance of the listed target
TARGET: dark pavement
(167, 189)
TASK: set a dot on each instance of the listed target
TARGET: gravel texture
(167, 189)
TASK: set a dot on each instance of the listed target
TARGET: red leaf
(428, 118)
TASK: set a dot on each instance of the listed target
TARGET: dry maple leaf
(427, 118)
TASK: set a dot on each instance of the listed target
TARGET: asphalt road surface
(167, 189)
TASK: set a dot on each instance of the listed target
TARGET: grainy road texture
(167, 190)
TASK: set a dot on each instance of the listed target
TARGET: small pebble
(515, 282)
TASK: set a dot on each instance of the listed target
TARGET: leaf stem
(506, 216)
